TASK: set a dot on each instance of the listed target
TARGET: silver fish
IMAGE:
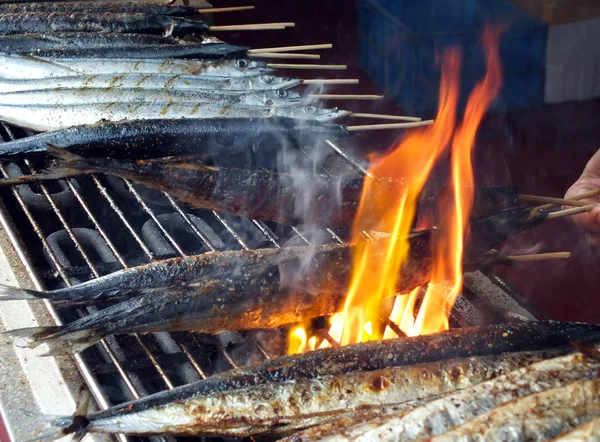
(441, 415)
(284, 406)
(23, 66)
(66, 97)
(589, 432)
(45, 118)
(151, 81)
(533, 418)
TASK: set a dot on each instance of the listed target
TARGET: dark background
(542, 150)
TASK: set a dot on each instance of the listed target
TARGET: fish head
(250, 67)
(310, 112)
(270, 82)
(277, 98)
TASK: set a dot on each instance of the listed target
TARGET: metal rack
(142, 364)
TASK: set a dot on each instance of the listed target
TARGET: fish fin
(8, 293)
(50, 428)
(588, 349)
(58, 341)
(35, 333)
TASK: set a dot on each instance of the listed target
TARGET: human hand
(589, 180)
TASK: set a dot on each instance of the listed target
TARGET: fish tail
(70, 165)
(8, 293)
(58, 340)
(50, 428)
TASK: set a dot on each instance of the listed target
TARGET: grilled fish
(187, 136)
(537, 417)
(284, 406)
(44, 22)
(80, 40)
(205, 51)
(256, 194)
(439, 416)
(371, 356)
(67, 97)
(152, 81)
(589, 432)
(54, 117)
(98, 7)
(22, 66)
(264, 289)
(277, 264)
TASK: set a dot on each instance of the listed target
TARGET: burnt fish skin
(98, 7)
(205, 51)
(555, 410)
(278, 408)
(441, 416)
(279, 264)
(366, 357)
(43, 22)
(256, 194)
(81, 40)
(162, 138)
(273, 293)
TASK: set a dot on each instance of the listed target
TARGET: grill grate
(92, 227)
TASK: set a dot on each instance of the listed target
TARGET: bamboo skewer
(252, 27)
(552, 201)
(389, 126)
(385, 117)
(339, 67)
(330, 81)
(228, 9)
(291, 48)
(571, 212)
(539, 256)
(292, 55)
(581, 196)
(346, 97)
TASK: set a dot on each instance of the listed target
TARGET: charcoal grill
(61, 234)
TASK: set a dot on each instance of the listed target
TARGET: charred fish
(44, 22)
(186, 136)
(97, 7)
(366, 357)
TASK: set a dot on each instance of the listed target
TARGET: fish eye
(310, 109)
(267, 79)
(281, 94)
(241, 63)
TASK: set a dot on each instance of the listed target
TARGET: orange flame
(377, 264)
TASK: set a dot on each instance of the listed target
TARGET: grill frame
(29, 277)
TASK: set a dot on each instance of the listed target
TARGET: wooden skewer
(291, 48)
(385, 117)
(553, 201)
(581, 196)
(291, 55)
(571, 212)
(253, 27)
(340, 67)
(228, 9)
(389, 126)
(346, 97)
(331, 81)
(540, 256)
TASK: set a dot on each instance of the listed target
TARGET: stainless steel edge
(30, 385)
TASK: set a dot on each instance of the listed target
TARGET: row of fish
(519, 382)
(100, 63)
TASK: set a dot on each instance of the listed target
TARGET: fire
(377, 264)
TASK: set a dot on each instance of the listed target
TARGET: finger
(589, 221)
